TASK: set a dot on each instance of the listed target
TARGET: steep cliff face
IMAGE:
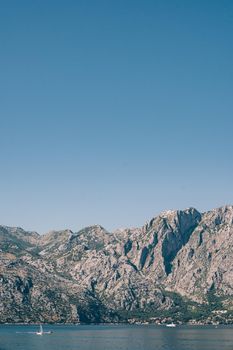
(92, 274)
(205, 263)
(155, 246)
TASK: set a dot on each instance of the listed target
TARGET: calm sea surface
(117, 338)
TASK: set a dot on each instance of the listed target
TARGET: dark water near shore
(117, 337)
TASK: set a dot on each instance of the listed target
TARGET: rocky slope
(178, 258)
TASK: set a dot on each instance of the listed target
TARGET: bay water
(116, 337)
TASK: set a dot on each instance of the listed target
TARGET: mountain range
(178, 266)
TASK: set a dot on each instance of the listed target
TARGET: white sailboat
(41, 331)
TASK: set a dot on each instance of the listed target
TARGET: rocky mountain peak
(222, 215)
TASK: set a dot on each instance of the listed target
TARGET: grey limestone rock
(92, 274)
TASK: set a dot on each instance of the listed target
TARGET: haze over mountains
(177, 258)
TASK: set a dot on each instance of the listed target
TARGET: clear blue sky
(112, 111)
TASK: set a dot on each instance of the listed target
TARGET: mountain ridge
(97, 276)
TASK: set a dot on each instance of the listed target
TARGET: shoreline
(113, 324)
